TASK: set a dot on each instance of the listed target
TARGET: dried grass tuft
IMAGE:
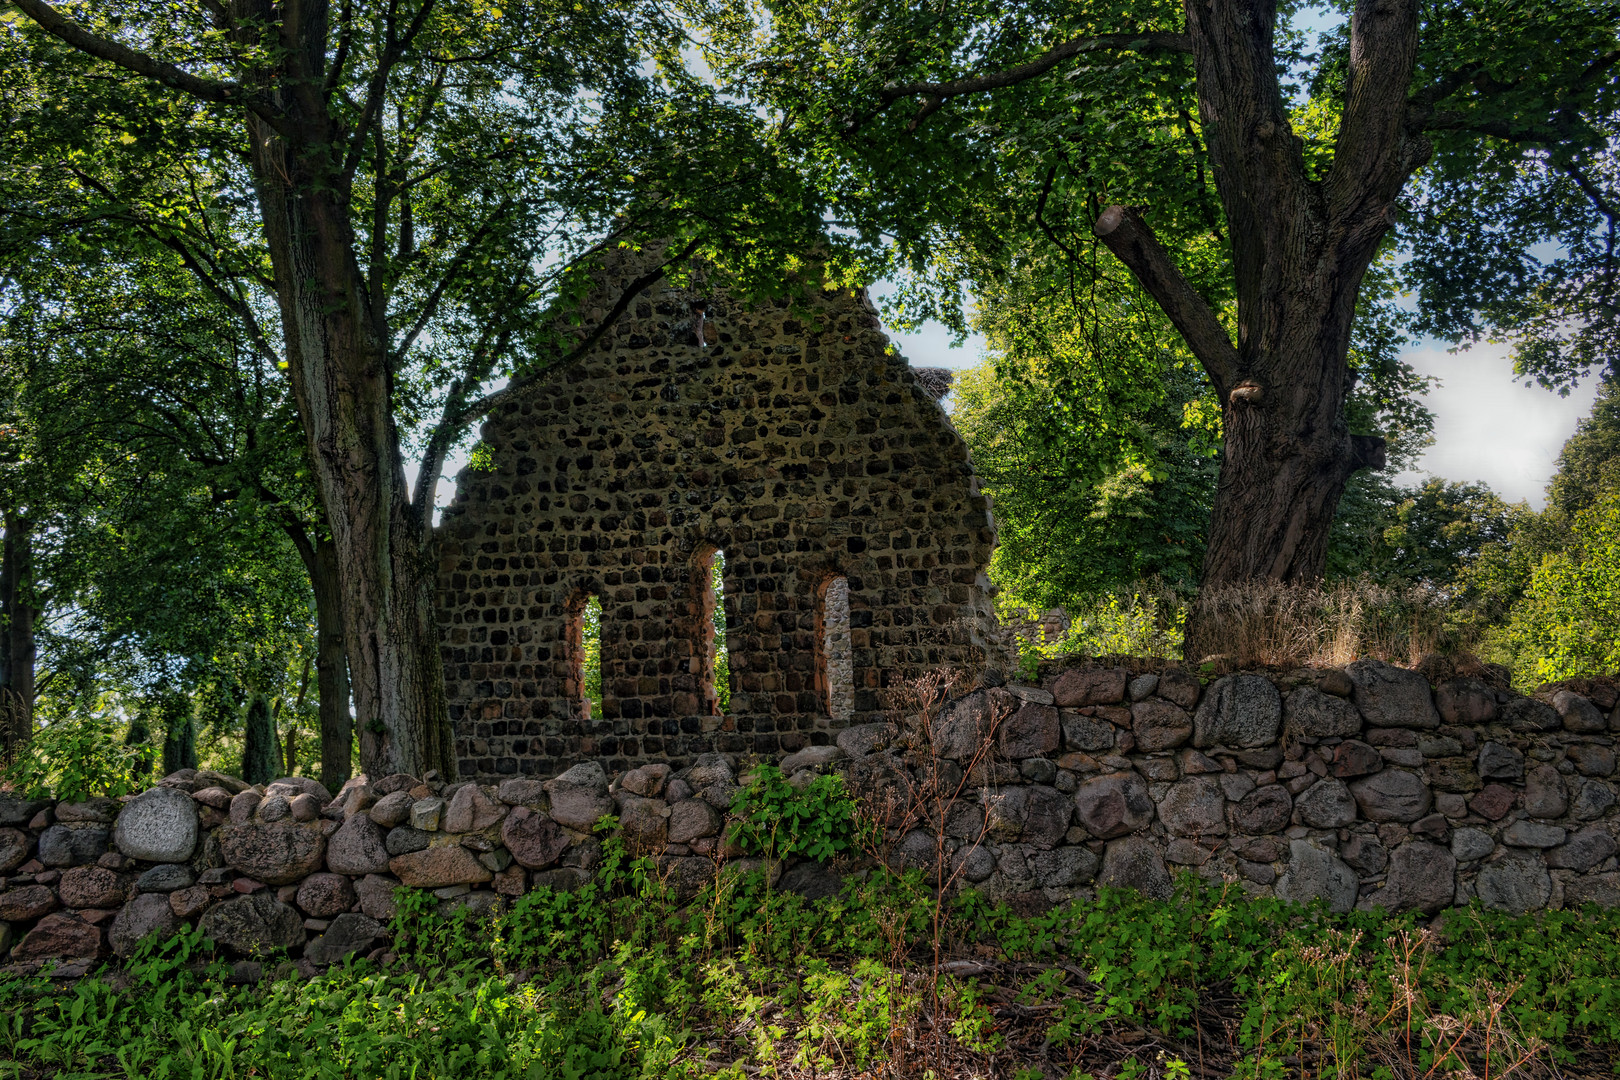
(1271, 624)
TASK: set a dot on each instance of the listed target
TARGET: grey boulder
(1238, 711)
(1314, 874)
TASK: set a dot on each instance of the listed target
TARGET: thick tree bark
(338, 363)
(1300, 247)
(331, 669)
(17, 649)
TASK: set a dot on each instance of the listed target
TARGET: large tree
(1247, 184)
(400, 202)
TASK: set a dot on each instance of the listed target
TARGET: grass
(624, 979)
(1263, 624)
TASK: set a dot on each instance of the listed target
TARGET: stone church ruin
(789, 439)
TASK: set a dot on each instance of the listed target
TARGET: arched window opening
(591, 657)
(585, 655)
(835, 674)
(715, 682)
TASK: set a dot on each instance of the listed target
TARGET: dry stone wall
(796, 442)
(1361, 787)
(1364, 787)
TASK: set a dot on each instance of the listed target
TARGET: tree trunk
(339, 366)
(1300, 246)
(17, 650)
(331, 669)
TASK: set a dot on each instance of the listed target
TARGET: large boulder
(440, 865)
(166, 878)
(60, 937)
(61, 846)
(159, 826)
(95, 810)
(1471, 845)
(1422, 876)
(92, 887)
(1082, 732)
(1582, 851)
(1517, 882)
(811, 880)
(1498, 761)
(1353, 758)
(1389, 696)
(148, 913)
(692, 819)
(1113, 804)
(471, 810)
(644, 823)
(1578, 714)
(1134, 863)
(1194, 806)
(376, 893)
(393, 809)
(15, 847)
(1467, 702)
(1593, 800)
(27, 903)
(1314, 873)
(276, 853)
(1158, 725)
(1307, 711)
(348, 934)
(579, 797)
(253, 924)
(1064, 867)
(1544, 793)
(968, 723)
(1238, 711)
(1263, 810)
(16, 810)
(1600, 889)
(321, 896)
(1036, 814)
(1392, 795)
(404, 840)
(1032, 731)
(1092, 686)
(1528, 714)
(862, 739)
(536, 841)
(1326, 804)
(359, 847)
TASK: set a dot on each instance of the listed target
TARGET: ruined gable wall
(797, 445)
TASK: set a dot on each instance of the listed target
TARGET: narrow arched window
(585, 655)
(715, 664)
(835, 674)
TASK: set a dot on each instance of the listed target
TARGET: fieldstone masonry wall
(796, 442)
(1363, 787)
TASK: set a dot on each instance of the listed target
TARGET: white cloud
(1489, 427)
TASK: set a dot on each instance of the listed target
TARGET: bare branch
(1133, 242)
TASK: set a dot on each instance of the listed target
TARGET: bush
(1568, 623)
(74, 758)
(779, 821)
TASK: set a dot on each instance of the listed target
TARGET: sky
(1486, 426)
